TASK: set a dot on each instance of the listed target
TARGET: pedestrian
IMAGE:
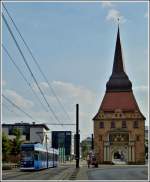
(88, 161)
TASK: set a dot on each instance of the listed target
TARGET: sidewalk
(82, 173)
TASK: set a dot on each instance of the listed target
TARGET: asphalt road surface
(118, 173)
(68, 172)
(59, 173)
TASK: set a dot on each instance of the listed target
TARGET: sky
(74, 44)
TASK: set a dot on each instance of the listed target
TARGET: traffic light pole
(77, 137)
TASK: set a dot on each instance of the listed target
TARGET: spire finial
(118, 20)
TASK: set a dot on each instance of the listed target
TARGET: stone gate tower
(119, 124)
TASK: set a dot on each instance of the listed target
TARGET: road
(68, 172)
(120, 173)
(59, 173)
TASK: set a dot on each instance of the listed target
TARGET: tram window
(36, 156)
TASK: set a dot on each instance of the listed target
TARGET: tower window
(124, 124)
(137, 138)
(112, 124)
(135, 124)
(101, 124)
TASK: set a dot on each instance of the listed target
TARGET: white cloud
(142, 88)
(73, 92)
(18, 99)
(69, 95)
(106, 4)
(3, 83)
(113, 15)
(43, 86)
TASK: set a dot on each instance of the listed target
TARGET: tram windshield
(27, 155)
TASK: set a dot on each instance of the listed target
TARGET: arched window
(112, 124)
(124, 124)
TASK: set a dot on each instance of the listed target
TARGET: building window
(100, 137)
(112, 124)
(10, 130)
(135, 124)
(101, 124)
(137, 138)
(124, 124)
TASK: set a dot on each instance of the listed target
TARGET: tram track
(44, 174)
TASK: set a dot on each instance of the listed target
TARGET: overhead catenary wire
(36, 62)
(7, 107)
(28, 67)
(8, 100)
(23, 76)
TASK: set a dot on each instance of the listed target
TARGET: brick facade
(136, 136)
(119, 124)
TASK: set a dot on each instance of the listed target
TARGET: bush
(6, 167)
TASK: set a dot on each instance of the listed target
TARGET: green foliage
(85, 150)
(16, 142)
(6, 147)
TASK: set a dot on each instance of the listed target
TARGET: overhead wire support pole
(77, 137)
(36, 62)
(26, 63)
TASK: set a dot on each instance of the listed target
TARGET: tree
(16, 142)
(6, 147)
(85, 149)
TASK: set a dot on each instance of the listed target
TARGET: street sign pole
(77, 137)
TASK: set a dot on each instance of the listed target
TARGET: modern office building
(30, 133)
(62, 140)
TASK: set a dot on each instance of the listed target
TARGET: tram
(37, 156)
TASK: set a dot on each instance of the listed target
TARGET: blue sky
(74, 44)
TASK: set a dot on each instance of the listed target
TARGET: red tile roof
(119, 100)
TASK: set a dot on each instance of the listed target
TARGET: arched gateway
(119, 124)
(117, 147)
